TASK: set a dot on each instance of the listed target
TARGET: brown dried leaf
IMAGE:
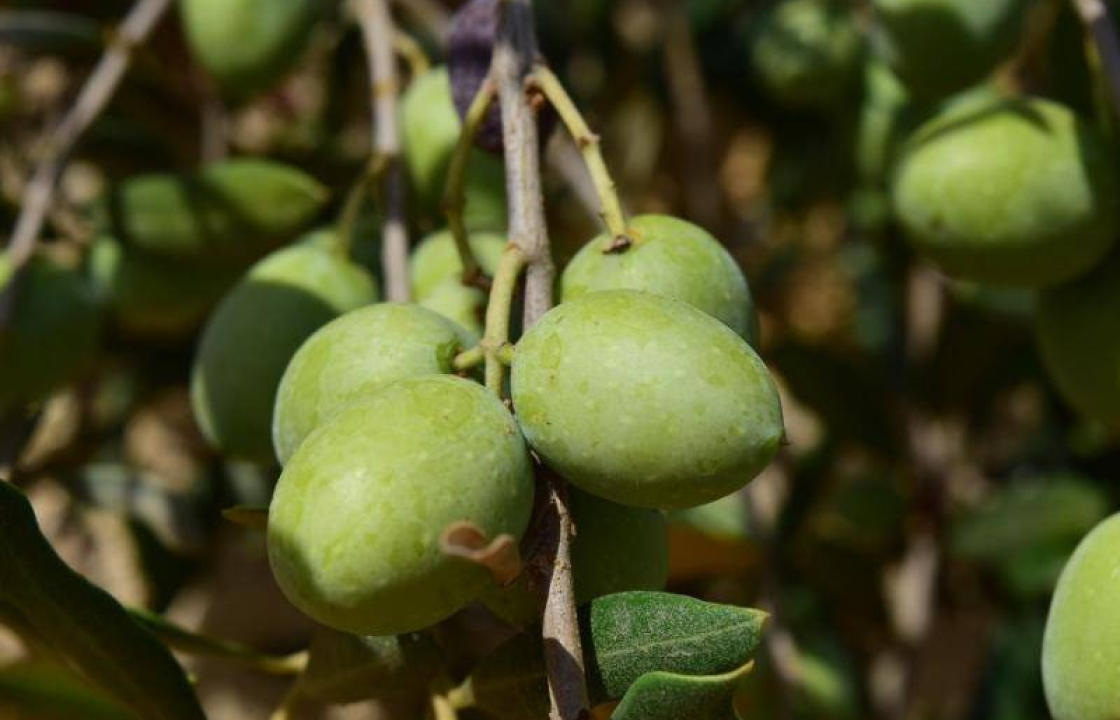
(500, 556)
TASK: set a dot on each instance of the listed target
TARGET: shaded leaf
(669, 696)
(345, 668)
(47, 692)
(192, 643)
(47, 31)
(625, 636)
(85, 624)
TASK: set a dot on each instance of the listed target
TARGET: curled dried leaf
(500, 556)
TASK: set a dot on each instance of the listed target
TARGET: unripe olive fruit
(939, 47)
(436, 260)
(645, 400)
(1076, 328)
(1014, 192)
(248, 45)
(430, 129)
(669, 257)
(254, 332)
(51, 331)
(352, 355)
(806, 53)
(437, 277)
(355, 522)
(1081, 646)
(156, 297)
(616, 548)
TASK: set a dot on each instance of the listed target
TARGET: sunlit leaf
(669, 696)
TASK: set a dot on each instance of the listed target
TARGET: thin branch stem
(352, 206)
(498, 309)
(455, 193)
(430, 14)
(92, 99)
(588, 143)
(411, 52)
(377, 33)
(515, 52)
(1095, 17)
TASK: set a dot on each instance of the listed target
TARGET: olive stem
(496, 336)
(455, 196)
(377, 34)
(515, 52)
(1095, 17)
(95, 94)
(469, 358)
(411, 52)
(352, 206)
(589, 146)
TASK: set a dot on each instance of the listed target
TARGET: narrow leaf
(670, 696)
(253, 518)
(192, 643)
(85, 624)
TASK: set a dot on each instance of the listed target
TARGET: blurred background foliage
(933, 483)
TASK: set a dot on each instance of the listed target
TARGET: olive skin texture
(617, 549)
(254, 332)
(51, 334)
(1075, 325)
(806, 53)
(1009, 192)
(1081, 645)
(355, 522)
(248, 45)
(430, 129)
(154, 297)
(235, 208)
(354, 354)
(668, 257)
(938, 47)
(645, 400)
(437, 277)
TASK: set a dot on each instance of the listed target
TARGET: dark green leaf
(669, 696)
(46, 692)
(192, 643)
(625, 636)
(85, 624)
(346, 668)
(1027, 515)
(46, 31)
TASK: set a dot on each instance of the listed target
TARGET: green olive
(1081, 646)
(254, 332)
(1012, 192)
(355, 522)
(645, 400)
(354, 354)
(669, 257)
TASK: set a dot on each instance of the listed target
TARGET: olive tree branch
(515, 51)
(378, 32)
(411, 52)
(92, 99)
(1095, 17)
(588, 143)
(454, 196)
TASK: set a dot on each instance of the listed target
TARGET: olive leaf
(48, 692)
(235, 207)
(669, 696)
(345, 668)
(192, 643)
(83, 623)
(625, 636)
(46, 31)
